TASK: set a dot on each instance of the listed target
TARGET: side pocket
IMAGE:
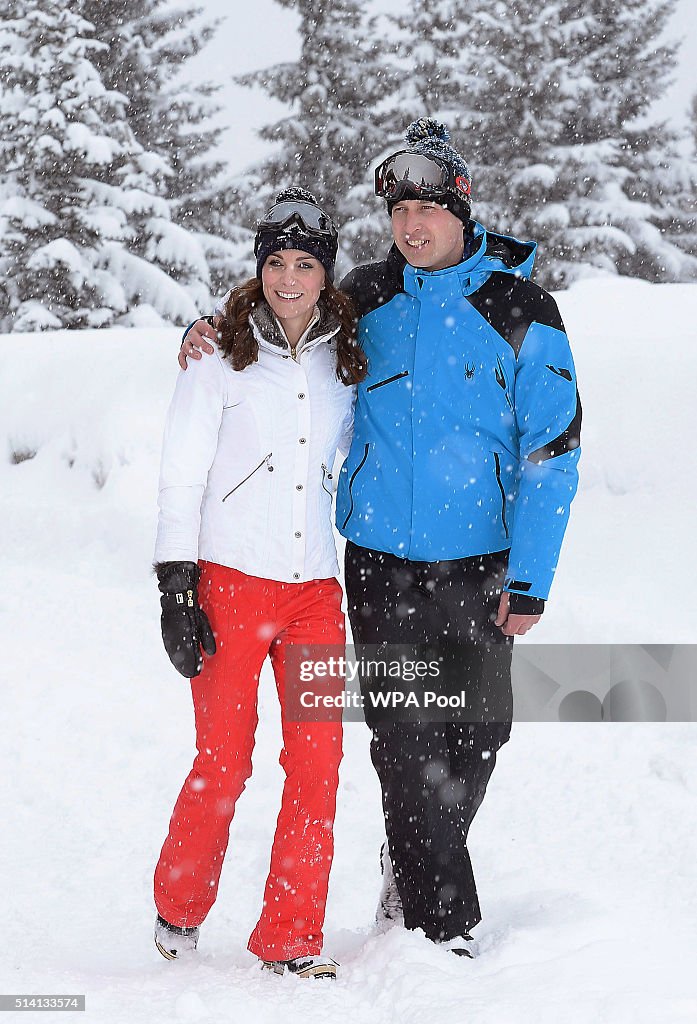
(497, 462)
(355, 473)
(327, 478)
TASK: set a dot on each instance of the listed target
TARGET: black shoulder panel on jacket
(567, 441)
(374, 284)
(509, 250)
(511, 304)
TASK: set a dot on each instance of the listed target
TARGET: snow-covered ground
(584, 849)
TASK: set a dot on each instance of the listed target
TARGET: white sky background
(260, 33)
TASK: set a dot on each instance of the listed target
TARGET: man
(454, 500)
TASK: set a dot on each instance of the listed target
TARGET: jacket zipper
(264, 460)
(328, 476)
(381, 383)
(503, 493)
(355, 473)
(294, 348)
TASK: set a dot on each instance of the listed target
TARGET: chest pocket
(387, 380)
(266, 461)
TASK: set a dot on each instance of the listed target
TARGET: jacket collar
(271, 336)
(486, 253)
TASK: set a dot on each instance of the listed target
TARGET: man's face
(427, 235)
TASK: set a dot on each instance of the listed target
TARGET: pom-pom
(295, 194)
(426, 128)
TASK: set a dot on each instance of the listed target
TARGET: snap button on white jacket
(246, 471)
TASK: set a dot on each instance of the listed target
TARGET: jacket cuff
(524, 604)
(176, 577)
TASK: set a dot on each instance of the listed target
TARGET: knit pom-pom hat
(272, 239)
(429, 137)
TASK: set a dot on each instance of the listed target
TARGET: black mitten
(185, 625)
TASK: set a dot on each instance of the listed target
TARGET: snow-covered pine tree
(149, 44)
(429, 62)
(663, 179)
(85, 234)
(438, 74)
(50, 140)
(424, 72)
(334, 130)
(672, 192)
(688, 238)
(570, 148)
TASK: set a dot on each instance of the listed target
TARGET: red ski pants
(251, 618)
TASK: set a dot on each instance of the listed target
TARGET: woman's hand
(197, 340)
(185, 626)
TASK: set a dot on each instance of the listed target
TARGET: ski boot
(303, 966)
(172, 941)
(461, 945)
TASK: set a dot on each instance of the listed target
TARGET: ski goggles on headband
(286, 216)
(412, 172)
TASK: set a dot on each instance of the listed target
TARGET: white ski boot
(172, 941)
(389, 911)
(303, 966)
(461, 945)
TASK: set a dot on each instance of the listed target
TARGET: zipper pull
(294, 353)
(326, 475)
(268, 464)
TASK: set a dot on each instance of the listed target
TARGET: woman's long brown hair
(238, 344)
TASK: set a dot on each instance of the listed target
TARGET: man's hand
(196, 340)
(513, 625)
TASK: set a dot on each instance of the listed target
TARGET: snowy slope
(584, 849)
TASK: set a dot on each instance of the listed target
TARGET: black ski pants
(434, 774)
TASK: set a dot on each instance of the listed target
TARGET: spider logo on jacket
(469, 371)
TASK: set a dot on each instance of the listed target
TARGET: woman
(246, 566)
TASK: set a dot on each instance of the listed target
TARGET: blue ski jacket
(467, 428)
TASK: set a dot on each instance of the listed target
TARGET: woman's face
(292, 281)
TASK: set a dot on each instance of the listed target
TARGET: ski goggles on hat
(296, 217)
(412, 172)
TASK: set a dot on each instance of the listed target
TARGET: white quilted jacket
(246, 475)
